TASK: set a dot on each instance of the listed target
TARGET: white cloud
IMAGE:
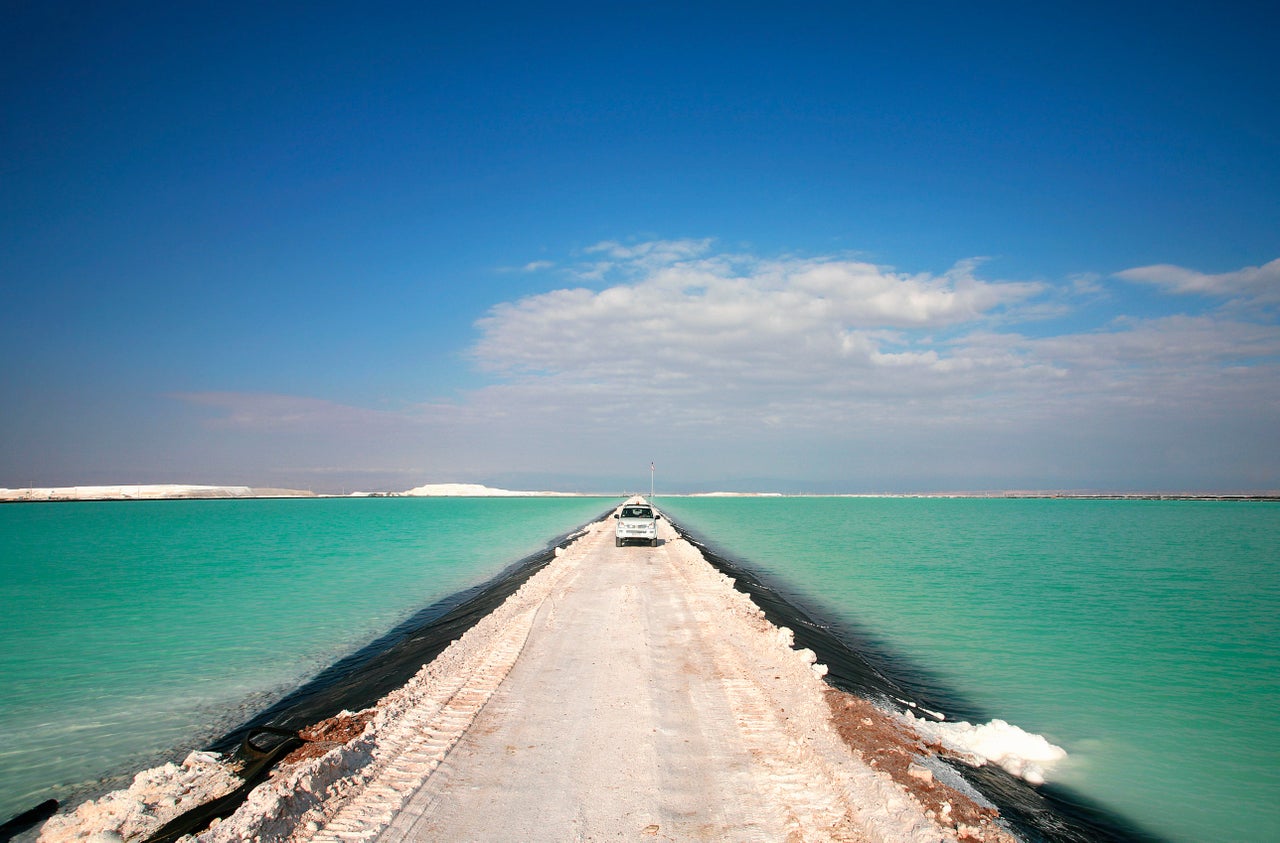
(739, 348)
(1086, 284)
(610, 257)
(831, 369)
(1258, 284)
(652, 252)
(677, 308)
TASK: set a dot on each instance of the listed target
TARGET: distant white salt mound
(1019, 753)
(472, 490)
(142, 492)
(145, 491)
(736, 495)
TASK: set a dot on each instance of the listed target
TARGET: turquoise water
(133, 628)
(1141, 636)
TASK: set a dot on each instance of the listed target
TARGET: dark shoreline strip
(361, 679)
(356, 681)
(1046, 814)
(27, 819)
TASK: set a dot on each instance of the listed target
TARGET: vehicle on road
(636, 522)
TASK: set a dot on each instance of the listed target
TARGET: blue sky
(837, 247)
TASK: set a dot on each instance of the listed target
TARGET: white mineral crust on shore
(1018, 752)
(726, 727)
(142, 491)
(153, 798)
(472, 490)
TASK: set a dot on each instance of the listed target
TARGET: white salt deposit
(156, 796)
(1020, 753)
(141, 491)
(472, 490)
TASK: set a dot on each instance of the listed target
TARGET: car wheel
(617, 542)
(653, 542)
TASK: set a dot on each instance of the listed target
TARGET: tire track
(418, 744)
(814, 790)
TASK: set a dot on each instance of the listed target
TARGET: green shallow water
(1141, 636)
(132, 629)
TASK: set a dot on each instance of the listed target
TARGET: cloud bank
(1257, 286)
(821, 339)
(836, 374)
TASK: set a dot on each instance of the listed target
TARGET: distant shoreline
(1116, 496)
(144, 491)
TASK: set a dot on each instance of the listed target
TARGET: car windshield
(637, 512)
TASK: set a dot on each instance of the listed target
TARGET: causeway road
(636, 697)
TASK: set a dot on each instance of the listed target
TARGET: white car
(636, 522)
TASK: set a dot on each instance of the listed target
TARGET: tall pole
(651, 480)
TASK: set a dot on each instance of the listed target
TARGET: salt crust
(473, 490)
(1019, 753)
(153, 491)
(155, 796)
(329, 797)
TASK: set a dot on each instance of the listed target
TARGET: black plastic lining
(361, 679)
(27, 819)
(256, 761)
(860, 665)
(857, 660)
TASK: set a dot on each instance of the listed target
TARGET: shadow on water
(862, 664)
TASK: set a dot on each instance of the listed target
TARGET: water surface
(134, 629)
(1141, 636)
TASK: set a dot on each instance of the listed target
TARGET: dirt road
(642, 698)
(620, 694)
